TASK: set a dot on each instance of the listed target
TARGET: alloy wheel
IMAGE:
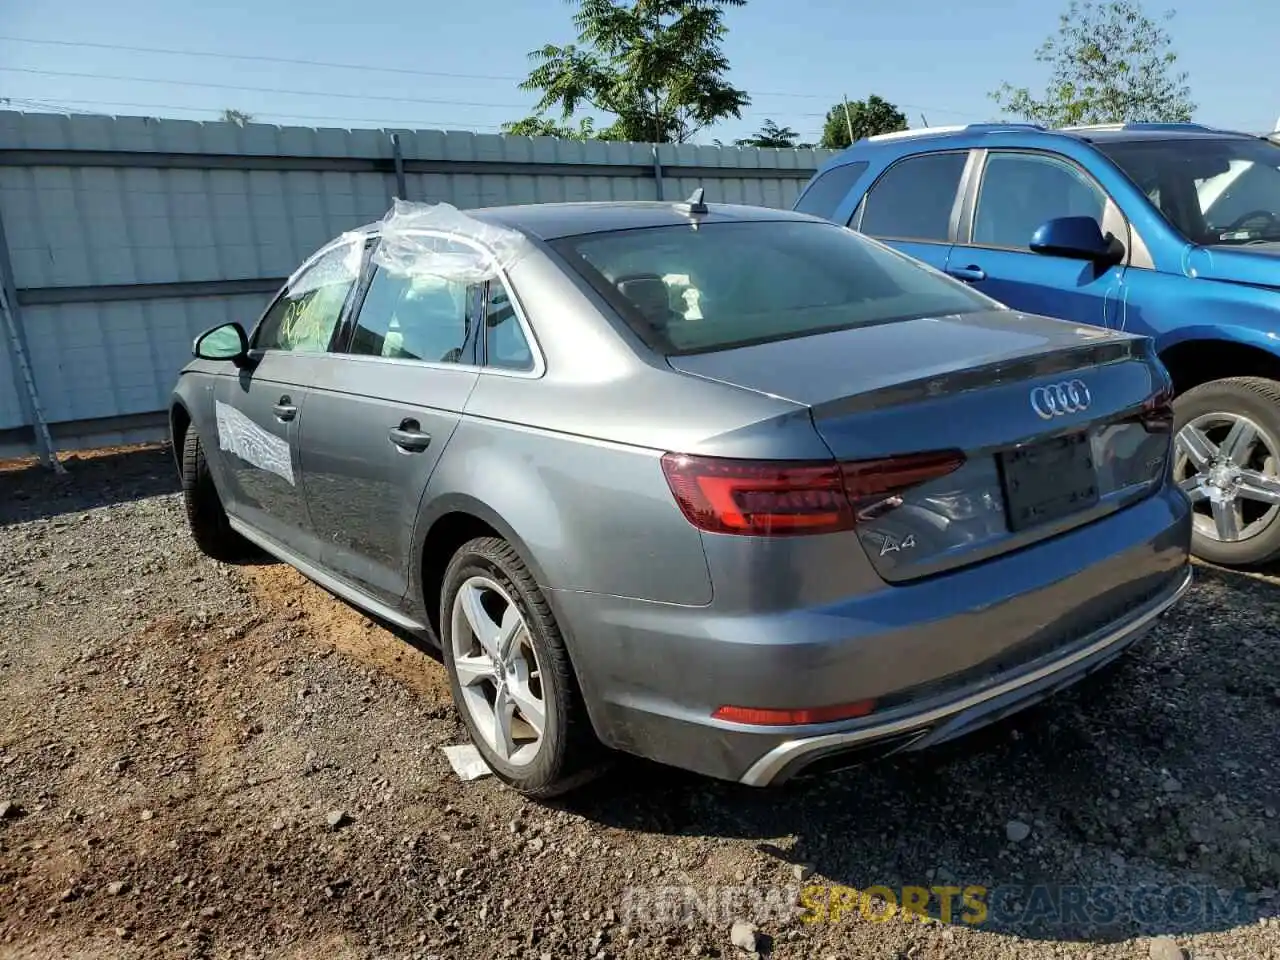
(498, 671)
(1227, 465)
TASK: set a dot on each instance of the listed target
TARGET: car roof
(553, 221)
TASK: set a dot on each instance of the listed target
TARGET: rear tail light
(764, 498)
(869, 483)
(1157, 413)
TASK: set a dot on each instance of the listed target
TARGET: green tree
(1109, 63)
(238, 117)
(868, 118)
(770, 135)
(656, 66)
(546, 127)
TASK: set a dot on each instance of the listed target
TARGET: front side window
(685, 289)
(305, 316)
(1021, 191)
(421, 317)
(1211, 190)
(914, 198)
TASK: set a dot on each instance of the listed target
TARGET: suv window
(306, 314)
(727, 284)
(420, 317)
(914, 198)
(1020, 191)
(1212, 190)
(827, 192)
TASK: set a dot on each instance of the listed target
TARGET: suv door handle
(285, 410)
(969, 273)
(409, 437)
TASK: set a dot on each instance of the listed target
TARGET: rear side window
(825, 194)
(711, 286)
(416, 318)
(914, 198)
(506, 346)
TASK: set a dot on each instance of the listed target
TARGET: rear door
(914, 206)
(259, 412)
(378, 423)
(1019, 190)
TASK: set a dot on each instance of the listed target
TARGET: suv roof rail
(917, 132)
(990, 126)
(1144, 125)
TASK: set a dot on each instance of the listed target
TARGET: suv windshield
(1214, 191)
(711, 286)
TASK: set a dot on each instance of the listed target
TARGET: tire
(1241, 529)
(206, 517)
(488, 574)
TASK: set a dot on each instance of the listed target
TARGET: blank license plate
(1049, 480)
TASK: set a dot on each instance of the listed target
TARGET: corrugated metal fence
(127, 236)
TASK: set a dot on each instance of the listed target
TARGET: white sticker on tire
(239, 435)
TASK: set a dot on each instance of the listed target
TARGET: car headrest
(648, 294)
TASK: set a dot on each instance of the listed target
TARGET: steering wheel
(1241, 220)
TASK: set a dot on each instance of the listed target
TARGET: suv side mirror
(1078, 238)
(227, 341)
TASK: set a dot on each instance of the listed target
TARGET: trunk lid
(972, 383)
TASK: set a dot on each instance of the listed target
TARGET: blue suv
(1171, 231)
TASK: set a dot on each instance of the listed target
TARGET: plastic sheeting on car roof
(440, 240)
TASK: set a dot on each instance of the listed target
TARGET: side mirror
(225, 342)
(1078, 238)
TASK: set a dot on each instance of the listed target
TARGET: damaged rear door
(379, 419)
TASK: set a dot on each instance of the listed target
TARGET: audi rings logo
(1059, 399)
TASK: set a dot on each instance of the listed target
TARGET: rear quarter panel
(590, 515)
(577, 477)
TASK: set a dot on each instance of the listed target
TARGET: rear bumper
(940, 656)
(928, 724)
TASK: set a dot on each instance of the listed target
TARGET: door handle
(284, 410)
(969, 273)
(409, 437)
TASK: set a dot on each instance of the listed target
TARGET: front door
(380, 419)
(1018, 193)
(259, 413)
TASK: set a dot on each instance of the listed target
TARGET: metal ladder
(44, 439)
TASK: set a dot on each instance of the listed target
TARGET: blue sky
(936, 60)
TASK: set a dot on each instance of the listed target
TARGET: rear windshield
(711, 286)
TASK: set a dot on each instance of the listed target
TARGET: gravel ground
(208, 761)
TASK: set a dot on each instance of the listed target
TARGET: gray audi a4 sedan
(735, 489)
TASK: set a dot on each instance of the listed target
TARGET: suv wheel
(206, 517)
(1227, 460)
(510, 673)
